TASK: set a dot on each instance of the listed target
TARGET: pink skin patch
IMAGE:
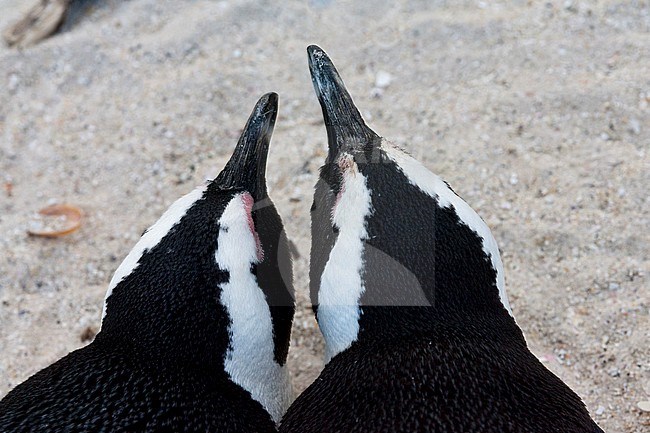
(345, 163)
(248, 201)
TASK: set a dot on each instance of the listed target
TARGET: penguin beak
(246, 168)
(346, 129)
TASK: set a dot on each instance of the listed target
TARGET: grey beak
(345, 126)
(246, 168)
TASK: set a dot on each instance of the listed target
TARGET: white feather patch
(250, 358)
(152, 237)
(434, 186)
(341, 284)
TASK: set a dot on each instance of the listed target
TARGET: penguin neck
(250, 359)
(162, 302)
(460, 217)
(425, 247)
(192, 299)
(403, 254)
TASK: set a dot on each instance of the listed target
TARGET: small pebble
(634, 126)
(14, 80)
(383, 79)
(644, 405)
(296, 196)
(87, 334)
(600, 410)
(643, 100)
(614, 372)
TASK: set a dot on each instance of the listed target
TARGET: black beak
(246, 168)
(345, 126)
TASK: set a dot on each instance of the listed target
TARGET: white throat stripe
(341, 284)
(250, 358)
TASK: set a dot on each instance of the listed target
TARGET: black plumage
(436, 349)
(158, 363)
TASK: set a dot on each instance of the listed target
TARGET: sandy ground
(537, 113)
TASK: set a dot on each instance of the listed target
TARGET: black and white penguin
(196, 321)
(407, 285)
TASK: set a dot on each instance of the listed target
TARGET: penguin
(196, 324)
(407, 285)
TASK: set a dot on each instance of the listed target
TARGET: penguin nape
(196, 321)
(407, 285)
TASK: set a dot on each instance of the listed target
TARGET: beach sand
(537, 114)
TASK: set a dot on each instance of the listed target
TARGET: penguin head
(209, 286)
(394, 250)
